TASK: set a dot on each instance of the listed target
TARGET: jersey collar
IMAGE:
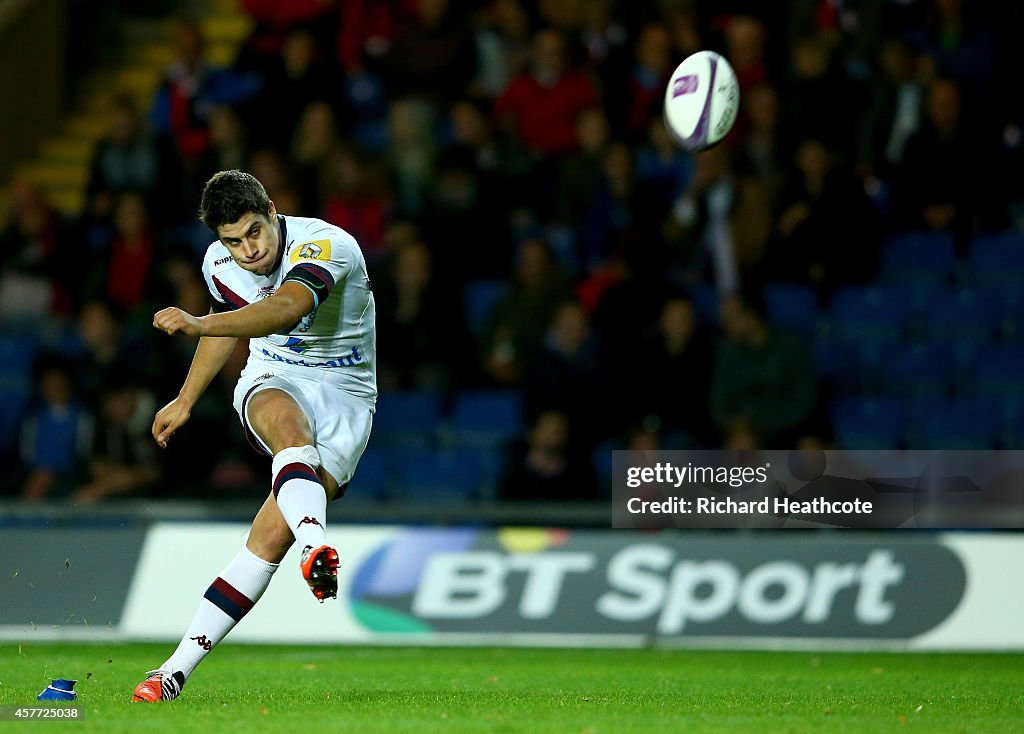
(283, 244)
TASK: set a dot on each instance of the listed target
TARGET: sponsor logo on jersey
(222, 261)
(315, 250)
(349, 360)
(266, 291)
(299, 346)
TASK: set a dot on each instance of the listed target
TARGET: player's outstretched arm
(274, 315)
(211, 355)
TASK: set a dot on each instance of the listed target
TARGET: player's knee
(302, 454)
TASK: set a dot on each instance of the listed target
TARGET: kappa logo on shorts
(314, 250)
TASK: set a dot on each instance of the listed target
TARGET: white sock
(229, 598)
(300, 495)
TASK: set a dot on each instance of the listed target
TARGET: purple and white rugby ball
(701, 101)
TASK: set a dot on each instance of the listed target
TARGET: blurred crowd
(529, 224)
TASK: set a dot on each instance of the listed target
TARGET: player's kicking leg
(297, 509)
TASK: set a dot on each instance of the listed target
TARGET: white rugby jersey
(337, 338)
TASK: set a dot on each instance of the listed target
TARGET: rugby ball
(701, 101)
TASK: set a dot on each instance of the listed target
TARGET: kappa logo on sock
(202, 642)
(308, 521)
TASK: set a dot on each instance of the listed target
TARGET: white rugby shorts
(340, 420)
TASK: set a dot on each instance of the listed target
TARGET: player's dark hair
(229, 196)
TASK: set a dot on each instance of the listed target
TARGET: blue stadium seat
(479, 298)
(431, 475)
(837, 361)
(963, 315)
(919, 257)
(870, 423)
(962, 423)
(1011, 300)
(918, 369)
(487, 417)
(878, 311)
(407, 418)
(17, 355)
(374, 474)
(792, 306)
(997, 259)
(999, 371)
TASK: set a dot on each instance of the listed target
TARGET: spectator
(271, 168)
(961, 48)
(762, 152)
(546, 468)
(663, 169)
(366, 34)
(818, 94)
(612, 210)
(413, 152)
(130, 158)
(581, 174)
(825, 234)
(413, 353)
(499, 164)
(516, 328)
(542, 105)
(641, 94)
(300, 77)
(229, 145)
(699, 228)
(356, 198)
(502, 38)
(745, 38)
(565, 376)
(39, 272)
(123, 456)
(192, 87)
(460, 208)
(56, 434)
(895, 109)
(939, 181)
(677, 361)
(275, 20)
(762, 377)
(433, 55)
(602, 36)
(122, 275)
(316, 137)
(107, 348)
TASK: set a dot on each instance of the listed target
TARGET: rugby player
(299, 290)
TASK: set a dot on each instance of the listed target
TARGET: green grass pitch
(246, 688)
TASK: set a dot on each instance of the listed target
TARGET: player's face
(253, 241)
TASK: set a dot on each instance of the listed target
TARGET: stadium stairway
(60, 166)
